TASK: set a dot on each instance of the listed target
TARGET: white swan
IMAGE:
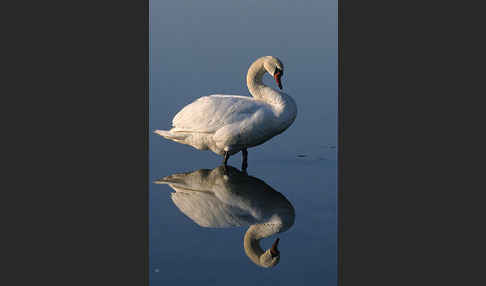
(214, 199)
(227, 124)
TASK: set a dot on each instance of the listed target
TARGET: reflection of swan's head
(219, 199)
(277, 224)
(269, 258)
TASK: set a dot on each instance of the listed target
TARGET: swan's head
(271, 257)
(274, 67)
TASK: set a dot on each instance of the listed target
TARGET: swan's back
(210, 113)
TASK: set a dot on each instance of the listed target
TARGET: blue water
(199, 48)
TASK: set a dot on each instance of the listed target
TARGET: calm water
(205, 47)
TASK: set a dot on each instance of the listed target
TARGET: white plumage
(222, 198)
(227, 124)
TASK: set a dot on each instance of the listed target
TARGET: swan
(226, 197)
(227, 124)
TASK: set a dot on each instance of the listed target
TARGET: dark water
(205, 47)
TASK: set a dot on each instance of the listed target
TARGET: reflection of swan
(212, 199)
(227, 124)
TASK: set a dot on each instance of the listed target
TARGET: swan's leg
(244, 164)
(226, 157)
(225, 162)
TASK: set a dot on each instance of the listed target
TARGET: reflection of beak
(277, 76)
(274, 251)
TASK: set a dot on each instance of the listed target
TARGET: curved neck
(254, 79)
(252, 245)
(252, 240)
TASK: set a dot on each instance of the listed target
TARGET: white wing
(205, 209)
(195, 197)
(210, 113)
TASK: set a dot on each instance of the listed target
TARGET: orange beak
(277, 77)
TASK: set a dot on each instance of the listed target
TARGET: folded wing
(210, 113)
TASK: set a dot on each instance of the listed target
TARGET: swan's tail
(170, 135)
(177, 182)
(172, 179)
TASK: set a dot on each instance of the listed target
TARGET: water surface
(199, 48)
